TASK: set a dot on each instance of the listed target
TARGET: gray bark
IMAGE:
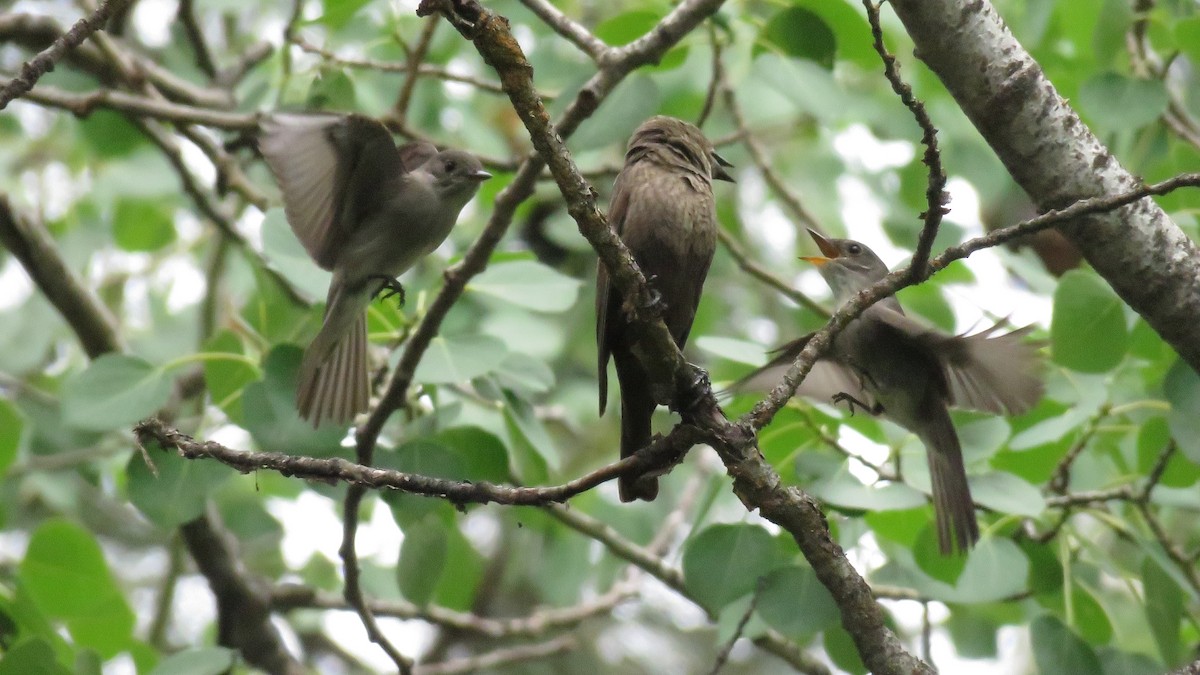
(1057, 160)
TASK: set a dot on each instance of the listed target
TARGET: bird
(662, 208)
(365, 210)
(890, 364)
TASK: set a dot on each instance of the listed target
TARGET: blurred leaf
(532, 451)
(422, 559)
(110, 134)
(288, 257)
(332, 90)
(226, 377)
(842, 651)
(1088, 331)
(1164, 610)
(789, 588)
(460, 358)
(1182, 389)
(1120, 103)
(31, 657)
(631, 103)
(484, 455)
(1123, 663)
(1187, 33)
(12, 431)
(270, 411)
(724, 562)
(1007, 493)
(65, 573)
(1089, 616)
(974, 635)
(799, 33)
(114, 392)
(739, 351)
(338, 12)
(198, 661)
(524, 374)
(528, 284)
(143, 225)
(180, 491)
(1057, 650)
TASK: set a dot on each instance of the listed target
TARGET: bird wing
(983, 371)
(826, 379)
(605, 297)
(314, 159)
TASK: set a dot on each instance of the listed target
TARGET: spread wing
(826, 379)
(314, 158)
(984, 371)
(415, 153)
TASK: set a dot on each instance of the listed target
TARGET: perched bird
(662, 208)
(888, 363)
(366, 211)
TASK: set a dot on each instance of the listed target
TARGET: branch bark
(1056, 159)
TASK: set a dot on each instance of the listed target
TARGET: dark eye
(854, 249)
(451, 165)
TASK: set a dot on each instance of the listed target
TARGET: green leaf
(459, 358)
(338, 12)
(31, 657)
(270, 411)
(1164, 610)
(143, 224)
(528, 284)
(114, 392)
(1182, 389)
(738, 351)
(1007, 493)
(627, 26)
(846, 491)
(483, 453)
(12, 433)
(532, 450)
(227, 376)
(843, 652)
(288, 257)
(794, 602)
(1187, 34)
(524, 374)
(422, 559)
(1089, 616)
(1088, 332)
(630, 104)
(109, 134)
(995, 569)
(799, 33)
(724, 562)
(333, 89)
(1057, 650)
(65, 573)
(1123, 663)
(1119, 103)
(198, 661)
(179, 492)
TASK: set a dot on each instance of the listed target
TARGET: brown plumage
(662, 208)
(896, 366)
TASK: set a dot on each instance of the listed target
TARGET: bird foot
(653, 303)
(850, 401)
(388, 287)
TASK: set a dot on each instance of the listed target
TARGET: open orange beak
(826, 247)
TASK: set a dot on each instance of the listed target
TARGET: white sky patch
(525, 37)
(250, 226)
(153, 19)
(185, 281)
(451, 120)
(864, 152)
(15, 285)
(312, 524)
(409, 637)
(459, 91)
(764, 221)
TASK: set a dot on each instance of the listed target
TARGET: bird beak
(480, 175)
(826, 247)
(719, 171)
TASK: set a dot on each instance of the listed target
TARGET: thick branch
(35, 248)
(1152, 264)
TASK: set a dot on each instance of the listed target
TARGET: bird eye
(854, 249)
(450, 165)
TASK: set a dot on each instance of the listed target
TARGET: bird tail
(333, 383)
(637, 408)
(952, 505)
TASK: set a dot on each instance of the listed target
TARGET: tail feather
(953, 507)
(637, 408)
(335, 389)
